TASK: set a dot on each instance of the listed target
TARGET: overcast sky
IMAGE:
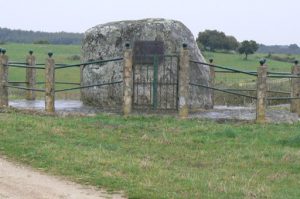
(265, 21)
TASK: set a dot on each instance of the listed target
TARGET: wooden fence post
(127, 81)
(49, 84)
(212, 81)
(184, 77)
(295, 89)
(30, 76)
(261, 101)
(3, 78)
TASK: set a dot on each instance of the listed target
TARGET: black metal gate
(155, 82)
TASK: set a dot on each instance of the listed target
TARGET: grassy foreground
(159, 157)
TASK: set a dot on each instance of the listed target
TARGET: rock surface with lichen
(108, 41)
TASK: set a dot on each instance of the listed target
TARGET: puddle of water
(219, 112)
(240, 114)
(233, 108)
(40, 104)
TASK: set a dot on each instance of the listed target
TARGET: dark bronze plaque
(144, 51)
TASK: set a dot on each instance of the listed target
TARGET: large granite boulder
(108, 41)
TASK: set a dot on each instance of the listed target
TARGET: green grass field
(62, 54)
(237, 61)
(159, 157)
(18, 52)
(155, 156)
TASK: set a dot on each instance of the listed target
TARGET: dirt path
(18, 182)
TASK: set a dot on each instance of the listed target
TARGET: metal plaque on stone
(145, 51)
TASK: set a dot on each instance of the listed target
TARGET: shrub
(41, 42)
(74, 57)
(286, 58)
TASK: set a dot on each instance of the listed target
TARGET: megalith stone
(108, 41)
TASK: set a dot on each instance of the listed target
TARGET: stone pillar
(212, 75)
(295, 89)
(261, 101)
(49, 84)
(184, 78)
(127, 81)
(30, 76)
(3, 78)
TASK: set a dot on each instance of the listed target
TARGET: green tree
(216, 40)
(247, 48)
(231, 43)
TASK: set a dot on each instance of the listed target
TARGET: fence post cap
(127, 45)
(211, 60)
(262, 62)
(184, 45)
(296, 62)
(50, 54)
(30, 52)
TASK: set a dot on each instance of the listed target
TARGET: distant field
(18, 52)
(237, 61)
(62, 54)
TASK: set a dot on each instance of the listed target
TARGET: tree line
(279, 49)
(21, 36)
(213, 40)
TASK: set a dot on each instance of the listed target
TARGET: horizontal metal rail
(226, 71)
(279, 73)
(24, 88)
(254, 72)
(283, 76)
(16, 62)
(157, 55)
(224, 68)
(223, 90)
(282, 98)
(16, 82)
(279, 92)
(24, 66)
(67, 83)
(269, 91)
(234, 89)
(89, 86)
(159, 83)
(58, 82)
(88, 63)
